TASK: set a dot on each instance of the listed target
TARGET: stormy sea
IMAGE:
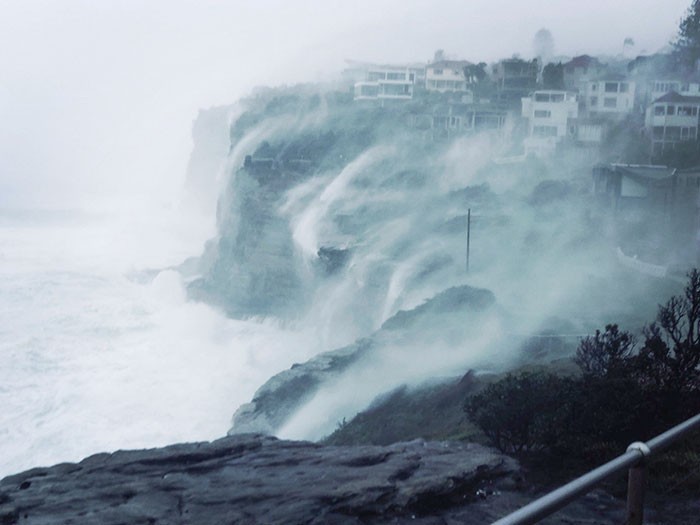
(99, 348)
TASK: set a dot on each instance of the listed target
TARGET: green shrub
(621, 396)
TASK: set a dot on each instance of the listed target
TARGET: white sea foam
(95, 359)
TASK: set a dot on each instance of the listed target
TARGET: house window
(543, 113)
(659, 110)
(396, 89)
(685, 86)
(594, 87)
(610, 102)
(541, 97)
(369, 91)
(373, 76)
(611, 87)
(624, 87)
(673, 133)
(685, 133)
(395, 76)
(544, 131)
(671, 110)
(687, 111)
(437, 71)
(412, 77)
(594, 101)
(658, 132)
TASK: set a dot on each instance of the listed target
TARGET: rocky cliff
(349, 221)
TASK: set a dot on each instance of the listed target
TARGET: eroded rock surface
(254, 479)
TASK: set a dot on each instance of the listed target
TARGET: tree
(688, 42)
(478, 80)
(670, 356)
(475, 73)
(606, 353)
(553, 76)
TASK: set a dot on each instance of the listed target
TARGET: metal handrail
(634, 459)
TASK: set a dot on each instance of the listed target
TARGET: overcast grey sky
(97, 96)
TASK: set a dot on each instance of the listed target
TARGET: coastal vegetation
(625, 390)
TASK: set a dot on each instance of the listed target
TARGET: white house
(550, 115)
(670, 119)
(611, 96)
(660, 87)
(386, 83)
(446, 75)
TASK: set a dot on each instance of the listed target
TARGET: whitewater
(100, 349)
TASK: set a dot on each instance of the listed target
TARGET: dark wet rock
(251, 269)
(332, 259)
(282, 394)
(452, 300)
(255, 479)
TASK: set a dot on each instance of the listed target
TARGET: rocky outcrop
(287, 391)
(282, 394)
(250, 479)
(450, 301)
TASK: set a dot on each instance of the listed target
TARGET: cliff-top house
(670, 120)
(550, 116)
(610, 96)
(446, 75)
(384, 82)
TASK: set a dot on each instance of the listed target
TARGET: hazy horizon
(97, 99)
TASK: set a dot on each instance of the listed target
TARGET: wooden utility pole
(469, 227)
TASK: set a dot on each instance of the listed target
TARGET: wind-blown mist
(345, 215)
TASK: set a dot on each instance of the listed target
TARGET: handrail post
(636, 485)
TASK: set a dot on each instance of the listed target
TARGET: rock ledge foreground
(256, 479)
